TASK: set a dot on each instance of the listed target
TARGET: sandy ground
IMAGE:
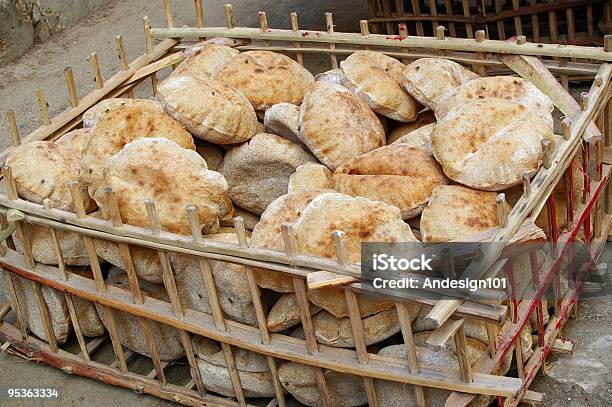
(580, 379)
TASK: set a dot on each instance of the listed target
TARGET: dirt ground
(582, 379)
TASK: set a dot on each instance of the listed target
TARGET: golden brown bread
(118, 127)
(174, 177)
(399, 175)
(337, 125)
(282, 120)
(311, 176)
(209, 109)
(76, 140)
(376, 77)
(265, 78)
(202, 60)
(97, 111)
(490, 143)
(430, 79)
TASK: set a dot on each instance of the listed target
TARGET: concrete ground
(581, 379)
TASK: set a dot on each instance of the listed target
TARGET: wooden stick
(413, 363)
(45, 316)
(462, 355)
(23, 326)
(547, 151)
(566, 125)
(199, 12)
(42, 106)
(229, 16)
(329, 20)
(149, 42)
(501, 32)
(403, 32)
(11, 189)
(77, 326)
(518, 27)
(438, 338)
(526, 184)
(95, 64)
(263, 24)
(481, 36)
(365, 31)
(74, 100)
(296, 28)
(124, 61)
(10, 117)
(466, 12)
(448, 5)
(259, 312)
(168, 13)
(502, 213)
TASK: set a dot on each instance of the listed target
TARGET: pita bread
(42, 170)
(58, 310)
(489, 143)
(282, 120)
(424, 118)
(362, 220)
(331, 76)
(209, 109)
(265, 78)
(75, 140)
(300, 381)
(503, 87)
(267, 234)
(230, 280)
(174, 177)
(399, 175)
(310, 176)
(458, 213)
(376, 77)
(250, 219)
(129, 328)
(97, 111)
(430, 79)
(212, 154)
(419, 138)
(258, 171)
(119, 127)
(202, 60)
(285, 313)
(146, 261)
(43, 248)
(337, 125)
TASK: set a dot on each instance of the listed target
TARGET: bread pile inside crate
(376, 150)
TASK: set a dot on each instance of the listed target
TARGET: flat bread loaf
(42, 169)
(399, 175)
(209, 109)
(503, 87)
(490, 143)
(76, 140)
(97, 111)
(458, 213)
(332, 76)
(267, 234)
(265, 78)
(337, 125)
(419, 138)
(258, 172)
(119, 127)
(311, 176)
(203, 60)
(376, 77)
(211, 153)
(174, 177)
(282, 120)
(430, 79)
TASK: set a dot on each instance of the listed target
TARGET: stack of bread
(381, 151)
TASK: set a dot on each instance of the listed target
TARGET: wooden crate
(587, 132)
(565, 22)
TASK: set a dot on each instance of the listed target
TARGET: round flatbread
(203, 60)
(96, 112)
(265, 78)
(76, 140)
(209, 109)
(337, 125)
(376, 77)
(419, 138)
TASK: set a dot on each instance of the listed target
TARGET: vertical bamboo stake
(302, 300)
(518, 27)
(95, 64)
(416, 10)
(259, 312)
(535, 23)
(213, 298)
(403, 33)
(135, 288)
(199, 12)
(526, 184)
(480, 69)
(263, 24)
(462, 355)
(501, 32)
(229, 16)
(124, 61)
(10, 117)
(149, 42)
(365, 31)
(469, 30)
(413, 362)
(77, 203)
(439, 30)
(45, 316)
(502, 213)
(590, 25)
(74, 100)
(448, 5)
(295, 28)
(23, 326)
(168, 13)
(329, 19)
(355, 317)
(42, 106)
(552, 24)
